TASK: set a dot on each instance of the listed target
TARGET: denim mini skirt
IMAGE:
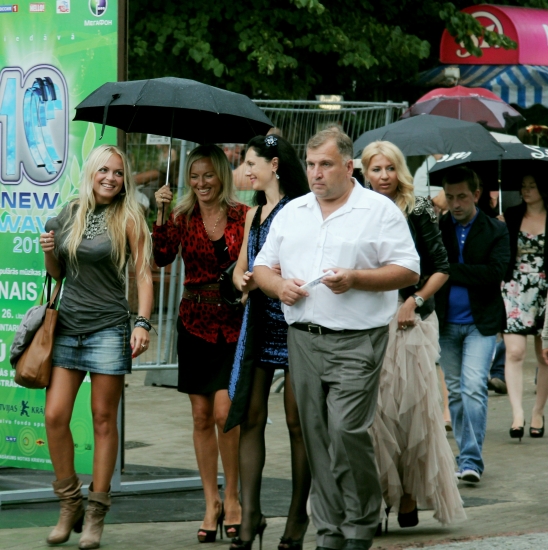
(105, 351)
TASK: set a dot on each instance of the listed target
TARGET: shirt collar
(313, 201)
(467, 226)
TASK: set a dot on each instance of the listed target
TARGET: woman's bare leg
(513, 372)
(106, 391)
(228, 447)
(207, 455)
(542, 387)
(445, 396)
(60, 396)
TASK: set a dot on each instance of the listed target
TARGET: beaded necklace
(96, 224)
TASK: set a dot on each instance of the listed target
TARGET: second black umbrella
(430, 134)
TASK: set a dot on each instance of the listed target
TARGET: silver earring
(276, 174)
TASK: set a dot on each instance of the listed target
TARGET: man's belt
(194, 293)
(318, 329)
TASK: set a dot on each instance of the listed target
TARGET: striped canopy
(523, 85)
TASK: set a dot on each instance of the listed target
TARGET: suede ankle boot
(72, 509)
(98, 506)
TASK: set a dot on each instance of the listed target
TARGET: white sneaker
(471, 476)
(458, 474)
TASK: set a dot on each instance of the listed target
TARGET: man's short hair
(461, 174)
(343, 142)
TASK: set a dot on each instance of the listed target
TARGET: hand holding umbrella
(163, 196)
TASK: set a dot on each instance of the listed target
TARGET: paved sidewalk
(509, 503)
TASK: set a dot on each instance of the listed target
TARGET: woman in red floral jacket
(208, 225)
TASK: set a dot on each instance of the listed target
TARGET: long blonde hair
(124, 210)
(405, 199)
(224, 173)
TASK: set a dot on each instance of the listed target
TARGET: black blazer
(514, 217)
(486, 256)
(423, 224)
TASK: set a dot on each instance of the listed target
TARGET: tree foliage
(298, 48)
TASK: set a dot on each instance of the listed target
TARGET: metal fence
(297, 121)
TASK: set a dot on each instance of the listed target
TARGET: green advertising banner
(52, 55)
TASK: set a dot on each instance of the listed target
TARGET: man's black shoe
(497, 385)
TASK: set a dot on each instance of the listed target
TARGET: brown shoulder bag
(33, 368)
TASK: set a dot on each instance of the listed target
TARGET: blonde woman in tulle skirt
(416, 464)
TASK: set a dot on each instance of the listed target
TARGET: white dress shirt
(367, 232)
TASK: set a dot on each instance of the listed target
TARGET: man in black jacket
(471, 312)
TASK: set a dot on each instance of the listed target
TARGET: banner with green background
(52, 55)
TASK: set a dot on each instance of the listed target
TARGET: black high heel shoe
(205, 535)
(517, 433)
(379, 531)
(239, 544)
(287, 543)
(409, 519)
(233, 530)
(537, 432)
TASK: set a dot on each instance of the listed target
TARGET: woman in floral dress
(524, 293)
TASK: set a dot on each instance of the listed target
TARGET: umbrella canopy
(175, 107)
(470, 104)
(515, 162)
(429, 134)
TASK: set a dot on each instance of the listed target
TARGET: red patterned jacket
(201, 268)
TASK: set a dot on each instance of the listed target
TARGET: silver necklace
(214, 227)
(96, 224)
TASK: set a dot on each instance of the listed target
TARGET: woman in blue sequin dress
(277, 176)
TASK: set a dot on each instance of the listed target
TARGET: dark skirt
(203, 367)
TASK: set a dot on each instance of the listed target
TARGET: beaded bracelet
(143, 322)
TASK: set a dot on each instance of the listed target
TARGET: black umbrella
(430, 134)
(503, 172)
(175, 107)
(514, 163)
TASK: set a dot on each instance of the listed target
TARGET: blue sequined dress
(263, 337)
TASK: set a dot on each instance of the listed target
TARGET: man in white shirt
(338, 330)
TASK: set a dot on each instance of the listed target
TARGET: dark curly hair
(293, 180)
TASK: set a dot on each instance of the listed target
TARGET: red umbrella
(470, 104)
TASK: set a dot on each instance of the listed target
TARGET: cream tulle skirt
(413, 454)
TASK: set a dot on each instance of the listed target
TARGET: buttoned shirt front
(459, 311)
(367, 232)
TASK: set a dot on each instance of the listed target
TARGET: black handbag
(229, 293)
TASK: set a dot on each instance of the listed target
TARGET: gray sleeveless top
(94, 295)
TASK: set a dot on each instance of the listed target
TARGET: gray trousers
(336, 380)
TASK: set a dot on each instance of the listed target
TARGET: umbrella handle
(500, 188)
(170, 144)
(169, 156)
(105, 113)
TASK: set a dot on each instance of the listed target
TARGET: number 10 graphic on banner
(33, 125)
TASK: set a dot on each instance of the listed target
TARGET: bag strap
(56, 295)
(51, 299)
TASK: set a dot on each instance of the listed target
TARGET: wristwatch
(418, 300)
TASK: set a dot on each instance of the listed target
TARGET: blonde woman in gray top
(88, 245)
